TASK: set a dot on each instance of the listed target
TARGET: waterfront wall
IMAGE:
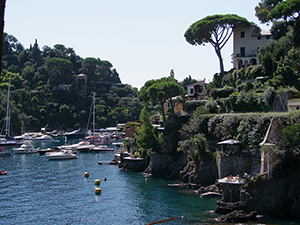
(234, 165)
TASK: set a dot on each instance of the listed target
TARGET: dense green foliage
(45, 88)
(161, 91)
(248, 128)
(146, 136)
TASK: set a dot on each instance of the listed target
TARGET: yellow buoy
(97, 182)
(97, 190)
(86, 174)
(104, 179)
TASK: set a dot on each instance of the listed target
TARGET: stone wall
(233, 165)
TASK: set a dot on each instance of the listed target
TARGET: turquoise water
(39, 191)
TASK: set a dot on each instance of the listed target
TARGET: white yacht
(45, 138)
(25, 148)
(102, 148)
(63, 154)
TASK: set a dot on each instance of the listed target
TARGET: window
(191, 91)
(267, 37)
(242, 34)
(243, 51)
(259, 38)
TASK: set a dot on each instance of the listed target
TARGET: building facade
(196, 91)
(246, 42)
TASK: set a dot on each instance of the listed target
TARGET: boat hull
(60, 155)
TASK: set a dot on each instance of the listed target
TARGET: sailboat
(97, 139)
(7, 141)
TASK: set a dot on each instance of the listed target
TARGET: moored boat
(75, 134)
(102, 148)
(43, 151)
(63, 154)
(99, 139)
(6, 142)
(45, 138)
(25, 148)
(87, 148)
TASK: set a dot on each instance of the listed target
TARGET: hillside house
(177, 105)
(246, 42)
(196, 91)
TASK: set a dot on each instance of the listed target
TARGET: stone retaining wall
(234, 165)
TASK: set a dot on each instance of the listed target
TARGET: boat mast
(94, 114)
(7, 111)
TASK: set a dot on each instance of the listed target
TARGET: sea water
(40, 191)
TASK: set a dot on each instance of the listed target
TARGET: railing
(252, 54)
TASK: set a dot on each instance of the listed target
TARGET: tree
(291, 139)
(91, 64)
(58, 67)
(263, 8)
(146, 137)
(284, 10)
(216, 30)
(161, 90)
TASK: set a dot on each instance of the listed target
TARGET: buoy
(97, 190)
(86, 174)
(97, 182)
(104, 179)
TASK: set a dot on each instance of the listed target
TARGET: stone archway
(253, 61)
(239, 64)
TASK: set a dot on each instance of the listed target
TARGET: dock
(108, 162)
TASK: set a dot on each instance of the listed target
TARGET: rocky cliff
(279, 196)
(167, 166)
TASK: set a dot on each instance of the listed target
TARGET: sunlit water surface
(39, 191)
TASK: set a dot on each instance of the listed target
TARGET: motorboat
(45, 138)
(25, 148)
(63, 154)
(5, 142)
(99, 139)
(102, 148)
(43, 151)
(84, 146)
(75, 134)
(4, 151)
(23, 137)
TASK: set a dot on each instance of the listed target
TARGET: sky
(143, 39)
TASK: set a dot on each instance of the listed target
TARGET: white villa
(246, 42)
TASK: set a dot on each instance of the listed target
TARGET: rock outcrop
(166, 166)
(204, 174)
(279, 196)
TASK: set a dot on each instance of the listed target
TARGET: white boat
(23, 137)
(25, 148)
(82, 146)
(63, 154)
(99, 139)
(75, 134)
(5, 143)
(45, 138)
(102, 148)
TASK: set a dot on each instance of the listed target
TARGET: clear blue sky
(143, 39)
